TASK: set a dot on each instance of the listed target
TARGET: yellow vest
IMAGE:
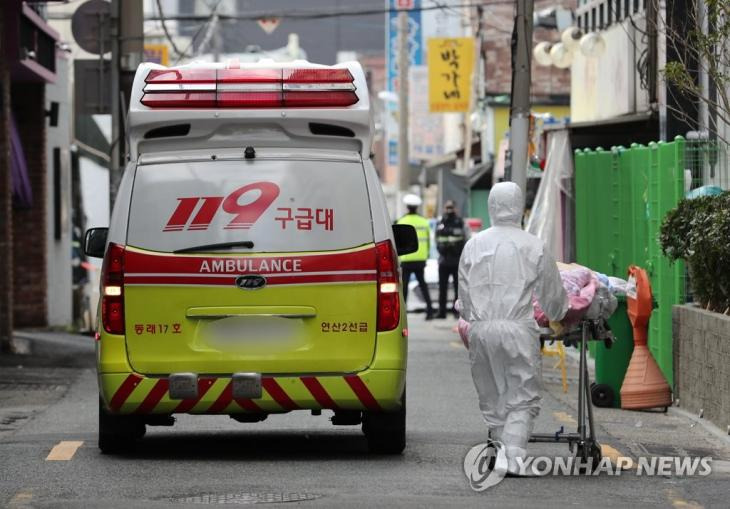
(423, 230)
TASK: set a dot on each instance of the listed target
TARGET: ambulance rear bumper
(370, 390)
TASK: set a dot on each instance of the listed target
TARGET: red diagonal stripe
(276, 392)
(248, 404)
(319, 392)
(124, 391)
(187, 404)
(154, 397)
(362, 392)
(223, 400)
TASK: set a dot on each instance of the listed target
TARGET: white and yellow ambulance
(250, 266)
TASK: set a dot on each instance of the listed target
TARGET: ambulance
(250, 265)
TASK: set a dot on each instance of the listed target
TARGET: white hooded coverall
(500, 269)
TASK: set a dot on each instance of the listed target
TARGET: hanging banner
(450, 66)
(415, 55)
(425, 130)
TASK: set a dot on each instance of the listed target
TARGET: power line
(321, 14)
(450, 10)
(169, 38)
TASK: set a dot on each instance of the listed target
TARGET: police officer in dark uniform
(450, 240)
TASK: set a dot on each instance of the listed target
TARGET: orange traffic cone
(644, 385)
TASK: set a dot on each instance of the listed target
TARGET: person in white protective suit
(500, 269)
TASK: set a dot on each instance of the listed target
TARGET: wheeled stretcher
(583, 441)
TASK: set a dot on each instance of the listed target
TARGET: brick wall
(702, 362)
(6, 238)
(499, 20)
(29, 224)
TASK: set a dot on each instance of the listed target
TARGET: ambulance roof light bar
(249, 88)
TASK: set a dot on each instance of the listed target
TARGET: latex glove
(557, 328)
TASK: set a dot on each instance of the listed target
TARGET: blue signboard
(415, 46)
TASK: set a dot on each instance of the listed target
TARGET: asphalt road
(299, 458)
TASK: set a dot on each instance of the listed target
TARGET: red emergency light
(249, 88)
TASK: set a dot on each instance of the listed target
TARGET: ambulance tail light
(388, 294)
(112, 287)
(249, 88)
(180, 88)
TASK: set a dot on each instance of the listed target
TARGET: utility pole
(114, 164)
(217, 38)
(474, 93)
(403, 61)
(127, 20)
(520, 108)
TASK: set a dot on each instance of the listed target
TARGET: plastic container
(611, 363)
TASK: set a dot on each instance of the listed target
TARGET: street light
(571, 37)
(561, 56)
(592, 45)
(542, 54)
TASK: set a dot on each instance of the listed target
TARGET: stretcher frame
(583, 442)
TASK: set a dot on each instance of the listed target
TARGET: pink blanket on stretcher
(580, 285)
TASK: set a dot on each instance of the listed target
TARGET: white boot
(513, 466)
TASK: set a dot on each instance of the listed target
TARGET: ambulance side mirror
(406, 239)
(95, 242)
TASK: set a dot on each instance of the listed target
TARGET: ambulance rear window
(277, 205)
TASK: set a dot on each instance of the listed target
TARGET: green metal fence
(621, 196)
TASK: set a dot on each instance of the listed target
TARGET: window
(280, 205)
(593, 19)
(601, 17)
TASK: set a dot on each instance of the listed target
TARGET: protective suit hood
(506, 204)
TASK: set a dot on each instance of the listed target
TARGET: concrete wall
(58, 192)
(702, 362)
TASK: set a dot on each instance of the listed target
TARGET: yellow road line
(564, 417)
(20, 500)
(63, 451)
(625, 462)
(679, 502)
(456, 344)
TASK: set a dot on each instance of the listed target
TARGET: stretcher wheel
(596, 454)
(602, 395)
(589, 450)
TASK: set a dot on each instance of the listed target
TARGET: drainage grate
(26, 386)
(246, 498)
(12, 419)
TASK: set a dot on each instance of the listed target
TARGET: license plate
(183, 386)
(247, 385)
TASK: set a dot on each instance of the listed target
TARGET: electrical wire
(315, 14)
(450, 10)
(642, 62)
(166, 31)
(200, 29)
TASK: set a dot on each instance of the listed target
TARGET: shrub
(698, 232)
